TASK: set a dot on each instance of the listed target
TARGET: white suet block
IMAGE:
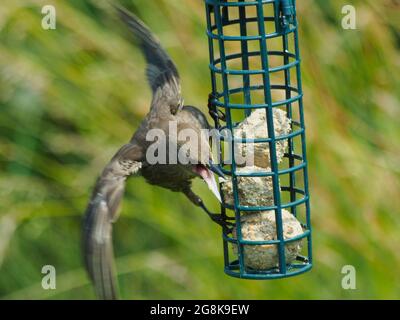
(252, 191)
(261, 226)
(255, 126)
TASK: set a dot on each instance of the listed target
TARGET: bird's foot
(222, 220)
(218, 218)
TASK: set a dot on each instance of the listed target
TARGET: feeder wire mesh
(255, 65)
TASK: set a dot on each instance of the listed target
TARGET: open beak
(209, 179)
(214, 168)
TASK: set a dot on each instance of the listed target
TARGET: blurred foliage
(70, 97)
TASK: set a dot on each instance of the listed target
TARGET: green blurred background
(70, 97)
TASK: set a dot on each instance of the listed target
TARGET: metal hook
(215, 113)
(287, 11)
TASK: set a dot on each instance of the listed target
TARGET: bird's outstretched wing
(101, 213)
(161, 70)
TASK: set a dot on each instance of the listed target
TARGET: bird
(167, 106)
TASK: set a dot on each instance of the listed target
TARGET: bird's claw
(217, 217)
(222, 220)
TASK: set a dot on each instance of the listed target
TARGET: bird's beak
(209, 179)
(214, 168)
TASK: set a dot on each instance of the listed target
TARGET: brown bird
(166, 107)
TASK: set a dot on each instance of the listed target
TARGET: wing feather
(101, 212)
(161, 70)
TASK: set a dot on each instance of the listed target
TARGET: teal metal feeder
(255, 65)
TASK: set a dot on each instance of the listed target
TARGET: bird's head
(194, 147)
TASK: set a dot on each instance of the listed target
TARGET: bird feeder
(255, 77)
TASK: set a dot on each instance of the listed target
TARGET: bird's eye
(173, 108)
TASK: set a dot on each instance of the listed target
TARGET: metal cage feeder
(255, 64)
